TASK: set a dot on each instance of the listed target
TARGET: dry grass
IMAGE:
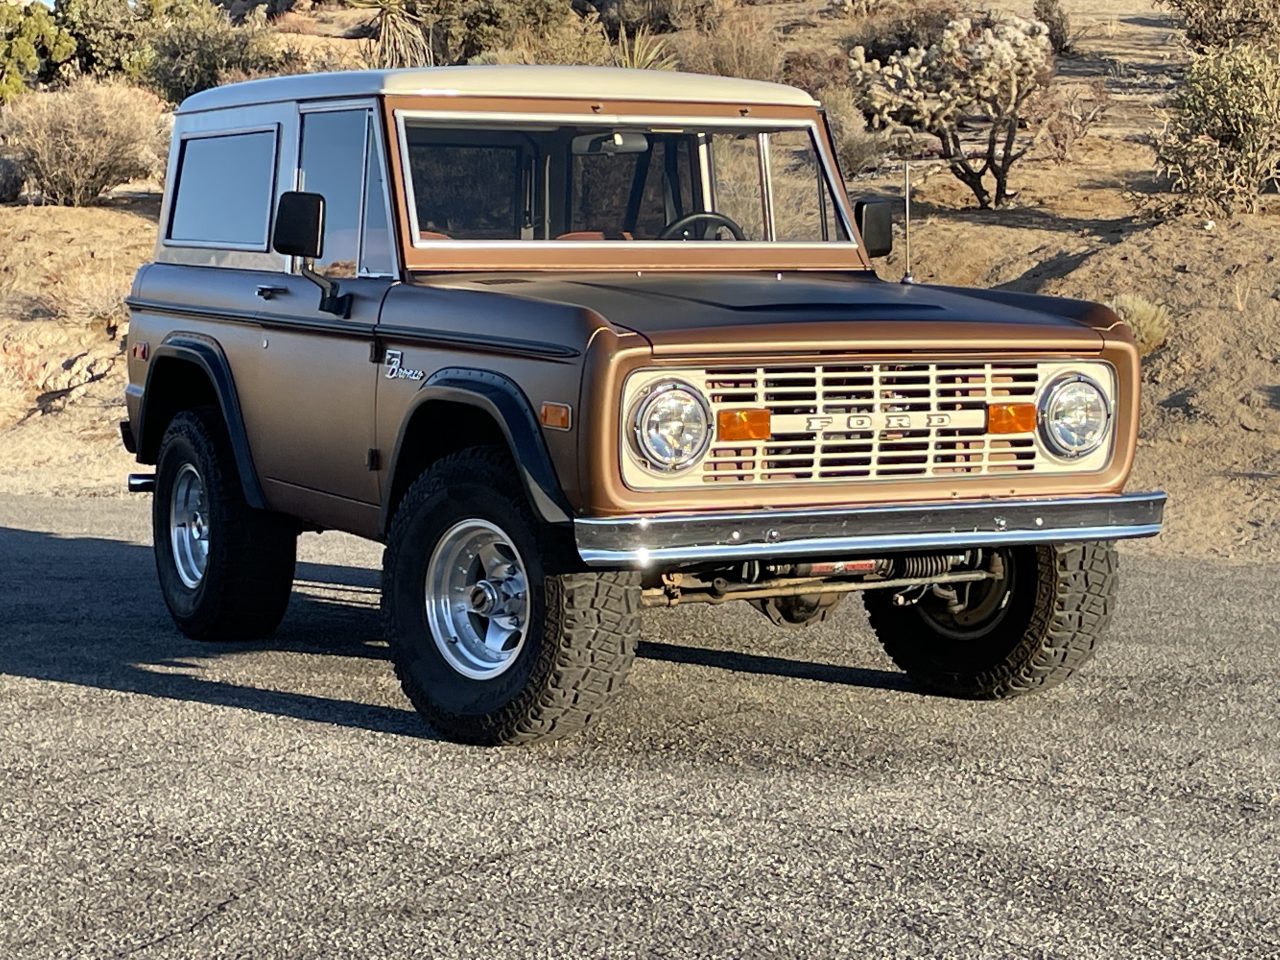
(745, 43)
(1150, 322)
(92, 293)
(296, 23)
(858, 149)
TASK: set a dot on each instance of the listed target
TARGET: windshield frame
(435, 255)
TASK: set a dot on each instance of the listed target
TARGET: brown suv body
(339, 389)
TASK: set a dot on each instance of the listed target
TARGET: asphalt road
(755, 793)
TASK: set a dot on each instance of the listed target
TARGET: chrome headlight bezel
(1052, 444)
(643, 453)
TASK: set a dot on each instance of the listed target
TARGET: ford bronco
(576, 341)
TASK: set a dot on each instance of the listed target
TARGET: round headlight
(673, 426)
(1074, 416)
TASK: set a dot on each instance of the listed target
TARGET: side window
(224, 191)
(803, 209)
(377, 256)
(333, 152)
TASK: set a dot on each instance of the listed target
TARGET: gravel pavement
(755, 793)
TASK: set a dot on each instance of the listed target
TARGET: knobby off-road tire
(576, 640)
(240, 588)
(1060, 601)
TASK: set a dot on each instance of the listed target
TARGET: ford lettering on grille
(866, 421)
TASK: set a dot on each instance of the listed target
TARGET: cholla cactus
(977, 76)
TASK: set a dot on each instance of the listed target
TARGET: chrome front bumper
(682, 538)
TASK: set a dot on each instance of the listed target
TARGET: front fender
(504, 401)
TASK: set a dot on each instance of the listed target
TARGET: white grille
(850, 422)
(849, 395)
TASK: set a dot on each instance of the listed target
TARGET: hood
(722, 313)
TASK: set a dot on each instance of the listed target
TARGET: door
(316, 449)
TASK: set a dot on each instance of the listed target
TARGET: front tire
(1029, 631)
(495, 636)
(226, 569)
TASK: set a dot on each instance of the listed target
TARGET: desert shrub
(92, 294)
(197, 47)
(1064, 113)
(858, 149)
(744, 44)
(975, 80)
(74, 144)
(461, 29)
(415, 33)
(1221, 144)
(583, 40)
(113, 37)
(238, 10)
(1220, 23)
(11, 180)
(1150, 322)
(31, 44)
(290, 22)
(661, 16)
(898, 28)
(849, 9)
(575, 40)
(1056, 21)
(815, 68)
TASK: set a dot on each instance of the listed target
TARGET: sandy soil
(1211, 418)
(62, 274)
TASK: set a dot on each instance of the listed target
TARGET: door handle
(266, 291)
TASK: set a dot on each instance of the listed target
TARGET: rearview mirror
(609, 143)
(299, 228)
(874, 219)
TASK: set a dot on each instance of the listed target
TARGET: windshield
(634, 183)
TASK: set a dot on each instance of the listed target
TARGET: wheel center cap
(484, 598)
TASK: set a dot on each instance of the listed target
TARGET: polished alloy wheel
(477, 599)
(189, 526)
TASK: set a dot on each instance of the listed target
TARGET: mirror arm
(331, 301)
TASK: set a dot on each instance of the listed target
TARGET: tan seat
(593, 235)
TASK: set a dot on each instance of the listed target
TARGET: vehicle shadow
(740, 662)
(87, 611)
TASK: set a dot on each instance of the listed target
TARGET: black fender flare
(506, 403)
(207, 355)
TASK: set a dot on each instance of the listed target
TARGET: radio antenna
(906, 225)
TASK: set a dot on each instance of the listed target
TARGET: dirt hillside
(1211, 415)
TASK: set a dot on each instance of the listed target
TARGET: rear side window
(224, 191)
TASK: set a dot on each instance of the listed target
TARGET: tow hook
(142, 483)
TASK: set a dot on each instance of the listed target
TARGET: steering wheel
(682, 225)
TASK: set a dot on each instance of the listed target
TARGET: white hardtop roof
(517, 81)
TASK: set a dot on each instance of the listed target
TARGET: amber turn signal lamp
(744, 425)
(1011, 418)
(557, 416)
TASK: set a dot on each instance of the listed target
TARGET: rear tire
(226, 569)
(495, 636)
(1045, 625)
